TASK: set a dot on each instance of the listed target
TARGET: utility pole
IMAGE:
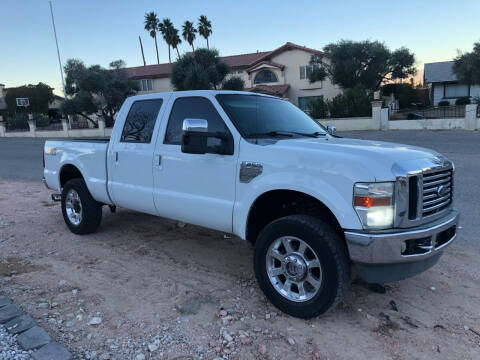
(58, 55)
(141, 47)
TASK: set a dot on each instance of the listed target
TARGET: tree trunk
(208, 46)
(156, 48)
(193, 48)
(169, 58)
(178, 52)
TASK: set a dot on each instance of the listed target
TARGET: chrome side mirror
(331, 129)
(195, 125)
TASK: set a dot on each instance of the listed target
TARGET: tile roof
(271, 63)
(439, 72)
(276, 90)
(236, 62)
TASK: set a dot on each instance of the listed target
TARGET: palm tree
(189, 33)
(165, 27)
(175, 39)
(151, 24)
(204, 28)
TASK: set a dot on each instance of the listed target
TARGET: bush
(404, 93)
(233, 83)
(352, 103)
(444, 103)
(463, 101)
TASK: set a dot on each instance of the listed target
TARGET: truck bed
(88, 155)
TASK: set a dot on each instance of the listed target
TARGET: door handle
(158, 160)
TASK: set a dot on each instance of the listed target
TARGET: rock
(140, 357)
(42, 305)
(33, 338)
(245, 341)
(291, 341)
(223, 313)
(9, 312)
(262, 349)
(52, 351)
(74, 292)
(466, 327)
(95, 321)
(62, 282)
(79, 317)
(227, 337)
(433, 288)
(257, 329)
(152, 347)
(4, 301)
(267, 316)
(394, 306)
(20, 324)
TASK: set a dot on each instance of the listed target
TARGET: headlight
(374, 204)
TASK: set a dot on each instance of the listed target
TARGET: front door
(194, 188)
(131, 156)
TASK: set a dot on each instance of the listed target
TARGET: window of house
(192, 108)
(146, 85)
(140, 121)
(265, 76)
(456, 90)
(304, 102)
(305, 71)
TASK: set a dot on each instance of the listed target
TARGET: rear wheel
(301, 265)
(81, 212)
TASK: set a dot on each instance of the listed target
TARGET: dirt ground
(166, 292)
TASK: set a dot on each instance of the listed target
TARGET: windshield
(261, 116)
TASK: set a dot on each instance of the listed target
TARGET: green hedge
(354, 102)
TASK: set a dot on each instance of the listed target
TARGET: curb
(30, 336)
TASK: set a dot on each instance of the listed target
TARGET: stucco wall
(293, 59)
(438, 94)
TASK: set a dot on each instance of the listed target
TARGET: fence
(440, 112)
(378, 121)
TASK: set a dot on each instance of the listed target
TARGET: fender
(339, 204)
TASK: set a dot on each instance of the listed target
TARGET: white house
(444, 85)
(281, 72)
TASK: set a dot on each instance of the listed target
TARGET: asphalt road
(22, 159)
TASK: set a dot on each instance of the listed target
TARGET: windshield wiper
(314, 134)
(273, 134)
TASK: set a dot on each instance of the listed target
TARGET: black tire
(91, 209)
(330, 250)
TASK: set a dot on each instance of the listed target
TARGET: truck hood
(378, 157)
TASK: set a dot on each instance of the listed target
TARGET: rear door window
(140, 121)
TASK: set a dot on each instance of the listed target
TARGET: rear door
(131, 155)
(195, 188)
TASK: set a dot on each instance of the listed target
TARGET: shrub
(444, 103)
(352, 103)
(463, 101)
(404, 93)
(233, 83)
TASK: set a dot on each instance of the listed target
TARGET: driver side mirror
(331, 129)
(195, 137)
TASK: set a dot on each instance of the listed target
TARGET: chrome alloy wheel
(73, 207)
(294, 269)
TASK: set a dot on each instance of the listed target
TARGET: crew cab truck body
(312, 203)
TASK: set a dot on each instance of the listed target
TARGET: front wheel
(81, 212)
(301, 265)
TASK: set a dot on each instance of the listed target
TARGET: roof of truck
(199, 93)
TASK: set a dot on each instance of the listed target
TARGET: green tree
(199, 70)
(96, 90)
(39, 96)
(365, 63)
(204, 28)
(188, 33)
(166, 28)
(233, 83)
(151, 25)
(175, 39)
(467, 66)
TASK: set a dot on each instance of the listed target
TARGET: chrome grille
(437, 191)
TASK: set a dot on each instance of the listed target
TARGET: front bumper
(394, 255)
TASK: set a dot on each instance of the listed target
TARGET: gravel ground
(9, 350)
(143, 288)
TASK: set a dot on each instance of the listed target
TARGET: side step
(57, 197)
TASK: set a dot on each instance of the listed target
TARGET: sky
(99, 31)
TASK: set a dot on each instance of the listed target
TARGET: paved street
(22, 159)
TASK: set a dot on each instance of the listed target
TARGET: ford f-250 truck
(313, 204)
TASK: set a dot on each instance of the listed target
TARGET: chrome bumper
(386, 247)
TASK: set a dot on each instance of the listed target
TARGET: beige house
(281, 72)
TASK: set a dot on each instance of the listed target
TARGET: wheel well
(279, 203)
(69, 172)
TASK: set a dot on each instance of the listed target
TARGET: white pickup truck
(313, 204)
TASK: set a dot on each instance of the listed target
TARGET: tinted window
(141, 121)
(192, 108)
(265, 76)
(256, 116)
